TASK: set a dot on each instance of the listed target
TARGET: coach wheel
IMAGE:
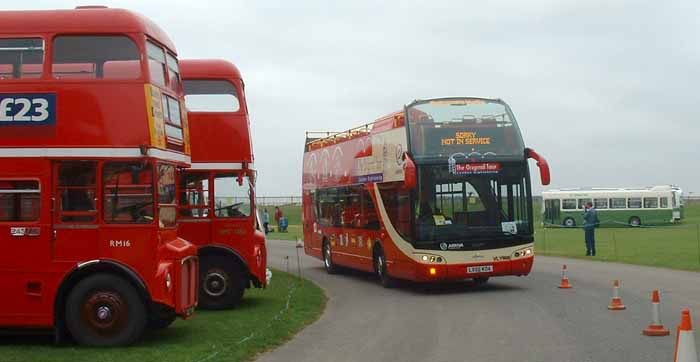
(481, 280)
(222, 283)
(104, 310)
(328, 259)
(635, 221)
(569, 222)
(381, 270)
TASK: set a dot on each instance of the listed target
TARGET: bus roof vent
(81, 7)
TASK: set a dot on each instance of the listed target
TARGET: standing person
(278, 216)
(266, 221)
(590, 222)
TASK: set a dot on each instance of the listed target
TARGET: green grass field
(265, 319)
(675, 246)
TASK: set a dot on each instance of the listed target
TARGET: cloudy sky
(606, 90)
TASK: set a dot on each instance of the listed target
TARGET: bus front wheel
(569, 222)
(635, 221)
(104, 310)
(328, 259)
(222, 283)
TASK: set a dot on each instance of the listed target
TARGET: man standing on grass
(266, 221)
(278, 216)
(590, 222)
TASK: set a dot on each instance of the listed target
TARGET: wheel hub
(105, 312)
(215, 283)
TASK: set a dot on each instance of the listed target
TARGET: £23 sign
(27, 109)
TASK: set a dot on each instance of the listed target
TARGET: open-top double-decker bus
(92, 132)
(217, 195)
(439, 191)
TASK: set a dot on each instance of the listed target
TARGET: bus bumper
(459, 272)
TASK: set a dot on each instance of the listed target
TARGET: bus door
(75, 211)
(233, 220)
(25, 237)
(551, 211)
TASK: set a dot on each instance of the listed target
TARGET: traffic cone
(565, 284)
(656, 329)
(685, 340)
(616, 303)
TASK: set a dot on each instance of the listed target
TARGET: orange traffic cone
(616, 303)
(565, 284)
(685, 340)
(656, 328)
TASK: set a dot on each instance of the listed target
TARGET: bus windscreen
(463, 127)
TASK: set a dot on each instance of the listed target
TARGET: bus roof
(81, 20)
(594, 190)
(208, 69)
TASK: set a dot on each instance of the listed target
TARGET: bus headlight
(523, 253)
(430, 258)
(168, 281)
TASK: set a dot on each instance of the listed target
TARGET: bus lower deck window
(19, 200)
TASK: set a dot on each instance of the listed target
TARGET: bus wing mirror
(410, 175)
(541, 163)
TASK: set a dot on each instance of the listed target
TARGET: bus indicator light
(433, 271)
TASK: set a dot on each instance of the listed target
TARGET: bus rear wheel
(380, 268)
(635, 221)
(105, 310)
(480, 280)
(222, 283)
(569, 222)
(331, 268)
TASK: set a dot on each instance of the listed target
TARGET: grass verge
(265, 319)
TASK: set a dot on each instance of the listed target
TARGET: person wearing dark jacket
(590, 222)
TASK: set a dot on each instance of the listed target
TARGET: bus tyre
(381, 270)
(481, 280)
(569, 222)
(328, 259)
(635, 221)
(105, 310)
(222, 283)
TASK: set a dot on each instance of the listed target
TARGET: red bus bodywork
(231, 245)
(351, 169)
(111, 132)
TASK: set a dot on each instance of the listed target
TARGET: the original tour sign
(476, 168)
(465, 138)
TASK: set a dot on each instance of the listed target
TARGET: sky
(607, 91)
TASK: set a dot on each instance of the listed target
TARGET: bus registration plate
(480, 269)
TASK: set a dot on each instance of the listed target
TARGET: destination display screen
(469, 128)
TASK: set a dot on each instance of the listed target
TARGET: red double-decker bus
(439, 191)
(217, 195)
(92, 131)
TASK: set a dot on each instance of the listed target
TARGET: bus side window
(368, 214)
(78, 190)
(21, 58)
(663, 202)
(19, 200)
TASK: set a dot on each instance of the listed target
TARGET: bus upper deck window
(173, 72)
(211, 96)
(95, 57)
(21, 58)
(156, 63)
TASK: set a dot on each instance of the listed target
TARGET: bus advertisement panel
(438, 192)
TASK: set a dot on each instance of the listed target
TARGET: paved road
(509, 319)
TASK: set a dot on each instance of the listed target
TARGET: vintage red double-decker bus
(439, 191)
(217, 195)
(92, 131)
